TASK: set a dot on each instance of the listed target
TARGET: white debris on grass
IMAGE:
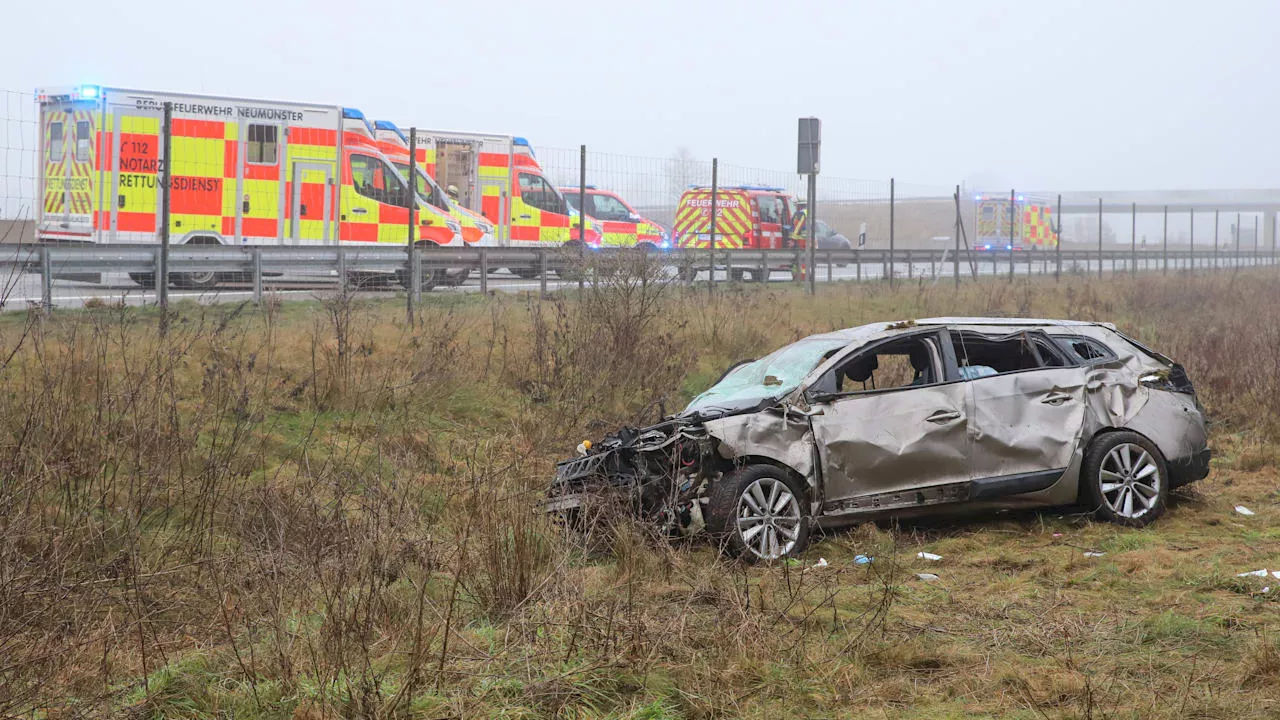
(1244, 510)
(928, 556)
(1090, 553)
(1255, 573)
(927, 577)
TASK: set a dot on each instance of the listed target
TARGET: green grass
(360, 524)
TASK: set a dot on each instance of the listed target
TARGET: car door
(1025, 418)
(881, 438)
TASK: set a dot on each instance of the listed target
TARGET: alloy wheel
(1129, 479)
(768, 518)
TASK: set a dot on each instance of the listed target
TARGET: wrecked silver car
(904, 418)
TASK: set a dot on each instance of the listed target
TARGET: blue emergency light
(388, 125)
(525, 143)
(89, 92)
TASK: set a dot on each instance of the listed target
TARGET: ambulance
(243, 172)
(622, 225)
(476, 230)
(753, 217)
(1031, 218)
(499, 177)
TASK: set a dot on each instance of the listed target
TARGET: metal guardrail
(345, 263)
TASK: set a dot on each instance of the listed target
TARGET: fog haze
(1076, 95)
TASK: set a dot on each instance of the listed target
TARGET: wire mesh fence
(78, 168)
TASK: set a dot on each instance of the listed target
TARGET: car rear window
(981, 355)
(1085, 350)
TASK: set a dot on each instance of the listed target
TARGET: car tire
(572, 262)
(429, 279)
(687, 273)
(457, 279)
(146, 280)
(737, 275)
(745, 528)
(1124, 479)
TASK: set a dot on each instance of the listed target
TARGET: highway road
(21, 291)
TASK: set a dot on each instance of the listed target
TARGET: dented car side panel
(1026, 422)
(893, 440)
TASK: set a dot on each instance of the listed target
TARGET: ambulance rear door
(68, 154)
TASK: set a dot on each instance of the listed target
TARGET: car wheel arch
(744, 461)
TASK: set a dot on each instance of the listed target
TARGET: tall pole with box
(808, 159)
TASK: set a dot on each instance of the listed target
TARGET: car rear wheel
(759, 513)
(1125, 479)
(146, 280)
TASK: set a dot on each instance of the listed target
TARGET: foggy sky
(1076, 95)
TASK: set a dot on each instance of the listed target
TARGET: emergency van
(499, 176)
(243, 172)
(621, 224)
(1031, 218)
(393, 143)
(751, 217)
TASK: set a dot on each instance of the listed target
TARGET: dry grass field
(314, 510)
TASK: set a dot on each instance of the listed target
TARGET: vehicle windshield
(575, 200)
(425, 187)
(768, 378)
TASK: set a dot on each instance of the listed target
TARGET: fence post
(1192, 254)
(857, 262)
(46, 281)
(582, 215)
(411, 202)
(1133, 237)
(812, 241)
(889, 268)
(542, 273)
(416, 254)
(342, 270)
(1165, 251)
(1215, 237)
(711, 244)
(1057, 270)
(1255, 239)
(484, 271)
(257, 276)
(955, 263)
(1013, 221)
(162, 270)
(910, 270)
(1100, 261)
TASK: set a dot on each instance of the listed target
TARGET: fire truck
(753, 217)
(1031, 219)
(622, 225)
(243, 172)
(499, 176)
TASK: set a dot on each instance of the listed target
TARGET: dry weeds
(315, 511)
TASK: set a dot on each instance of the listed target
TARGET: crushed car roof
(1019, 322)
(884, 329)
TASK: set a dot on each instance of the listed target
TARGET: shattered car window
(770, 377)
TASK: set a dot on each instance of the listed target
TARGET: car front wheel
(759, 513)
(1125, 479)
